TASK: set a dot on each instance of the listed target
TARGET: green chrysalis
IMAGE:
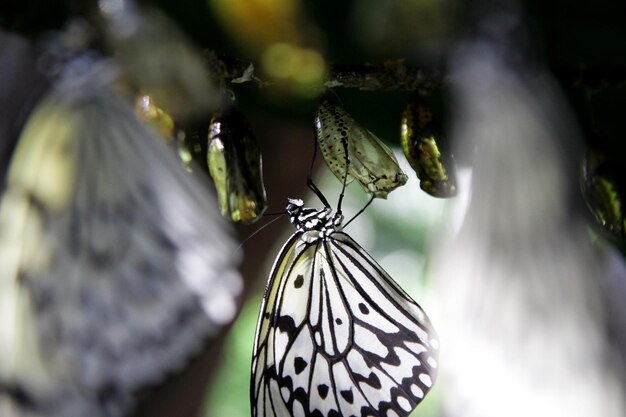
(602, 193)
(426, 148)
(234, 160)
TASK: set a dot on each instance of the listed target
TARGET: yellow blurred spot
(279, 59)
(271, 32)
(299, 69)
(311, 67)
(258, 23)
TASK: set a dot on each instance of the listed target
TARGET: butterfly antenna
(344, 142)
(360, 211)
(260, 229)
(317, 192)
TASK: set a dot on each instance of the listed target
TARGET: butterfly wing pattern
(115, 266)
(336, 335)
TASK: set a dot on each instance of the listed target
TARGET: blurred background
(295, 45)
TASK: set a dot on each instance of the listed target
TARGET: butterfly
(115, 266)
(336, 336)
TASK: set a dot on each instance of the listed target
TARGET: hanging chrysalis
(162, 123)
(602, 193)
(371, 162)
(158, 119)
(425, 147)
(234, 161)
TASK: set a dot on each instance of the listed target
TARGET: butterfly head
(323, 220)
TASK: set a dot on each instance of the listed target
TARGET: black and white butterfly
(336, 336)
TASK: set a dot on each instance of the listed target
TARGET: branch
(395, 75)
(386, 76)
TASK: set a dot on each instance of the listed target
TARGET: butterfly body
(336, 335)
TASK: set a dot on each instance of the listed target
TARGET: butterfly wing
(295, 255)
(116, 266)
(157, 57)
(338, 337)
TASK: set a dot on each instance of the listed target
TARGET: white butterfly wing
(338, 337)
(264, 403)
(115, 266)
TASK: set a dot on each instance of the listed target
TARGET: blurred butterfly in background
(115, 266)
(336, 336)
(528, 297)
(158, 58)
(350, 149)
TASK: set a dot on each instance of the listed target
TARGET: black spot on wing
(286, 324)
(372, 380)
(300, 395)
(331, 413)
(347, 395)
(322, 389)
(299, 364)
(299, 281)
(364, 308)
(286, 382)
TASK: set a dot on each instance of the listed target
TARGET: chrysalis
(234, 160)
(162, 123)
(158, 119)
(603, 194)
(371, 162)
(425, 147)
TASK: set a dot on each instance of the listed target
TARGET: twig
(395, 75)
